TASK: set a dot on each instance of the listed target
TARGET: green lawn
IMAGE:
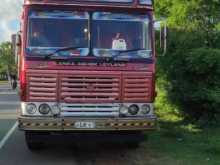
(185, 145)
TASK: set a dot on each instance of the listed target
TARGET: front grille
(137, 87)
(42, 87)
(90, 88)
(88, 110)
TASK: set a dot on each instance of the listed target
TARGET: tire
(34, 141)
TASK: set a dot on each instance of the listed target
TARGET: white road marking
(7, 136)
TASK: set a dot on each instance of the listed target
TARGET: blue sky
(10, 12)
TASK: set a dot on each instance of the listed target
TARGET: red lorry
(86, 66)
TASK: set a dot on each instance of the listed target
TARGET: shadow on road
(107, 151)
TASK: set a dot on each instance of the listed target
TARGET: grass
(186, 145)
(181, 143)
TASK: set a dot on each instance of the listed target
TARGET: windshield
(113, 32)
(49, 31)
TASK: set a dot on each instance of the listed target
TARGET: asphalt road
(59, 150)
(9, 102)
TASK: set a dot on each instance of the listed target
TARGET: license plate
(85, 125)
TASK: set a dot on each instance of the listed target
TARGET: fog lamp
(31, 108)
(44, 109)
(145, 109)
(133, 109)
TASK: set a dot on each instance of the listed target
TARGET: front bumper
(101, 124)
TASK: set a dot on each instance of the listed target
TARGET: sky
(10, 12)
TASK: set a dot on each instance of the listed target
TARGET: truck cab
(86, 66)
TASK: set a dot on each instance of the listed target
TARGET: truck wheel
(33, 141)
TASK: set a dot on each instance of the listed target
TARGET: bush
(202, 79)
(194, 80)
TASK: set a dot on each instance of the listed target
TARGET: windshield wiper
(62, 49)
(121, 52)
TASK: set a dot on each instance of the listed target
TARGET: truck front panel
(87, 67)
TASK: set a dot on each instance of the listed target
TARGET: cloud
(10, 12)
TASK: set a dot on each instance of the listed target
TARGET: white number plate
(85, 125)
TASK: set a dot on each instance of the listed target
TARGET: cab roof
(148, 4)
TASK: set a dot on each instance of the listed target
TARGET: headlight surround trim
(139, 105)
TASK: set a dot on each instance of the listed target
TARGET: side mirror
(163, 38)
(16, 45)
(162, 32)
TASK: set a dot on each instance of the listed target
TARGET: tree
(192, 64)
(200, 16)
(7, 62)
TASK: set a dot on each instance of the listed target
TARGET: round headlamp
(44, 109)
(31, 108)
(133, 109)
(55, 109)
(124, 110)
(145, 109)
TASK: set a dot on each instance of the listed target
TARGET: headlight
(55, 109)
(31, 108)
(124, 110)
(44, 109)
(133, 109)
(145, 109)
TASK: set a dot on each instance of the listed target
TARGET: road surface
(60, 150)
